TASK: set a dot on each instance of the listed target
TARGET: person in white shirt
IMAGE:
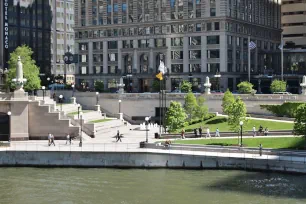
(254, 131)
(207, 133)
(217, 133)
(68, 139)
(49, 139)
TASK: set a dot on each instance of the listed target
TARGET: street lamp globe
(147, 119)
(241, 123)
(119, 101)
(79, 105)
(61, 96)
(72, 85)
(9, 113)
(81, 113)
(97, 93)
(43, 87)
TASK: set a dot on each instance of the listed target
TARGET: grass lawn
(276, 143)
(76, 112)
(221, 123)
(100, 121)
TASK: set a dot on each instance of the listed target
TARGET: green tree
(236, 113)
(190, 105)
(156, 85)
(227, 100)
(294, 67)
(30, 70)
(245, 87)
(278, 86)
(186, 86)
(201, 110)
(175, 116)
(300, 121)
(99, 86)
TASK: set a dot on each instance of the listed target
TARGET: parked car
(283, 93)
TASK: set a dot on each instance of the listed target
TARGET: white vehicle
(282, 93)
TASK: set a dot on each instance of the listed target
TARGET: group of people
(260, 131)
(199, 132)
(51, 139)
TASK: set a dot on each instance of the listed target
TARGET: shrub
(186, 87)
(156, 85)
(99, 86)
(278, 86)
(245, 87)
(227, 100)
(287, 109)
(300, 121)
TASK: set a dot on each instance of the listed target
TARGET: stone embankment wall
(144, 104)
(142, 160)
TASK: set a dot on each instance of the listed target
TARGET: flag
(252, 45)
(162, 67)
(159, 76)
(281, 46)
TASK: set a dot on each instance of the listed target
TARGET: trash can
(142, 144)
(156, 135)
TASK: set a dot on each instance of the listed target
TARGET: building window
(177, 68)
(176, 42)
(195, 40)
(83, 58)
(127, 43)
(195, 54)
(229, 67)
(213, 40)
(160, 42)
(194, 68)
(143, 43)
(113, 57)
(144, 63)
(212, 11)
(84, 70)
(213, 67)
(83, 46)
(97, 57)
(217, 26)
(208, 27)
(176, 55)
(98, 69)
(213, 54)
(112, 44)
(112, 69)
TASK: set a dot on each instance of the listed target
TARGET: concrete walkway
(264, 119)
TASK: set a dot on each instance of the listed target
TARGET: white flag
(162, 67)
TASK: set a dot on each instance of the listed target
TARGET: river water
(138, 186)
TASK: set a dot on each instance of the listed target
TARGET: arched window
(128, 64)
(144, 63)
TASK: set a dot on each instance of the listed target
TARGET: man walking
(52, 140)
(118, 136)
(68, 139)
(49, 139)
(254, 131)
(217, 133)
(200, 131)
(207, 133)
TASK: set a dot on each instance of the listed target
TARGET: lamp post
(81, 142)
(72, 86)
(241, 124)
(119, 106)
(79, 106)
(218, 76)
(43, 90)
(61, 101)
(9, 115)
(97, 98)
(147, 123)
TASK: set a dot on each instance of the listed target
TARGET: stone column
(223, 53)
(203, 55)
(185, 55)
(90, 57)
(120, 67)
(105, 58)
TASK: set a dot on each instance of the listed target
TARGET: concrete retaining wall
(142, 160)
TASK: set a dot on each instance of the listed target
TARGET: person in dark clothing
(195, 132)
(118, 136)
(200, 131)
(52, 140)
(260, 150)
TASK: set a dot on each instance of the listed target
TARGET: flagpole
(249, 59)
(282, 58)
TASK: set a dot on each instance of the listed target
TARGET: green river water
(138, 186)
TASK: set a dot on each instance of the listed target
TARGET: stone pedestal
(207, 86)
(19, 120)
(120, 116)
(97, 108)
(303, 85)
(73, 100)
(207, 90)
(20, 95)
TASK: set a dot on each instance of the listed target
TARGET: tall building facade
(43, 25)
(62, 38)
(294, 21)
(193, 38)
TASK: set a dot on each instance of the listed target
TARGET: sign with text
(5, 32)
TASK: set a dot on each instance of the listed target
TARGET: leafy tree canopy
(245, 87)
(227, 100)
(175, 116)
(236, 113)
(201, 110)
(30, 70)
(190, 104)
(300, 121)
(186, 86)
(99, 86)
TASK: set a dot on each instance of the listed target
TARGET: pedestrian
(49, 139)
(254, 131)
(183, 134)
(118, 136)
(207, 133)
(195, 132)
(68, 140)
(266, 131)
(260, 150)
(260, 129)
(52, 140)
(200, 131)
(217, 133)
(54, 96)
